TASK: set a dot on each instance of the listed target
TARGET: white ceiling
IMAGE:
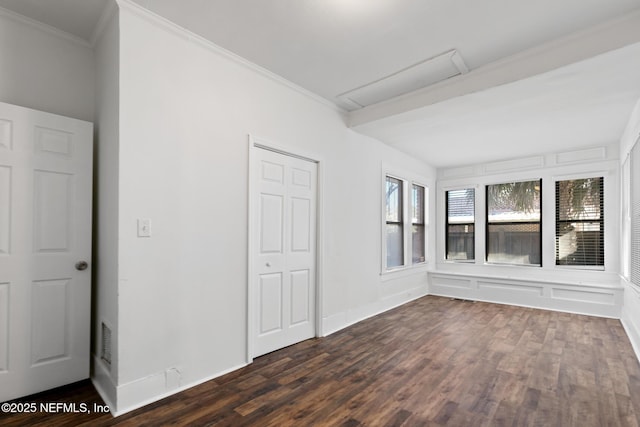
(585, 104)
(333, 46)
(76, 17)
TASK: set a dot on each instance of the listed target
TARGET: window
(635, 214)
(514, 223)
(395, 232)
(626, 219)
(405, 223)
(417, 224)
(580, 222)
(460, 239)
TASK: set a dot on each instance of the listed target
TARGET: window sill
(546, 277)
(580, 267)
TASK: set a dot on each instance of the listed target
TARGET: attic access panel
(417, 76)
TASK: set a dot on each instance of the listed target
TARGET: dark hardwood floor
(432, 362)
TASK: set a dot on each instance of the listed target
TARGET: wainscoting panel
(595, 297)
(604, 300)
(459, 287)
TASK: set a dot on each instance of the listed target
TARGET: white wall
(44, 69)
(185, 115)
(631, 308)
(106, 165)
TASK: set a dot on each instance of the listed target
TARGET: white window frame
(445, 191)
(487, 223)
(625, 187)
(424, 224)
(573, 177)
(634, 226)
(407, 184)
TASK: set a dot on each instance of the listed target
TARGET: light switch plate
(144, 227)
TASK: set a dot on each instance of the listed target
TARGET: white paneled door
(45, 249)
(284, 242)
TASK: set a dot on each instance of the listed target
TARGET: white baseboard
(336, 322)
(142, 392)
(102, 381)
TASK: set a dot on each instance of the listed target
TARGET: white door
(45, 236)
(284, 262)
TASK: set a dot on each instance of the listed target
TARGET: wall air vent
(417, 76)
(105, 347)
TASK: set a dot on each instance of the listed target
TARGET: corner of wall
(105, 246)
(338, 321)
(152, 388)
(630, 318)
(102, 381)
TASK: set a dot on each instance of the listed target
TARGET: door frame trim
(262, 143)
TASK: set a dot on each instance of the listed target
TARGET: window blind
(460, 241)
(580, 222)
(635, 214)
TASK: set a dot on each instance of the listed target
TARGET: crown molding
(63, 35)
(182, 32)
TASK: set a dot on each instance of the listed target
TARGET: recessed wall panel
(52, 211)
(270, 302)
(591, 154)
(517, 164)
(271, 220)
(6, 134)
(458, 172)
(49, 320)
(513, 289)
(52, 141)
(583, 296)
(5, 210)
(4, 327)
(300, 224)
(452, 282)
(300, 290)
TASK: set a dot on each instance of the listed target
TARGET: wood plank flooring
(432, 362)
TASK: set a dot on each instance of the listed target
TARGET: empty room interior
(232, 190)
